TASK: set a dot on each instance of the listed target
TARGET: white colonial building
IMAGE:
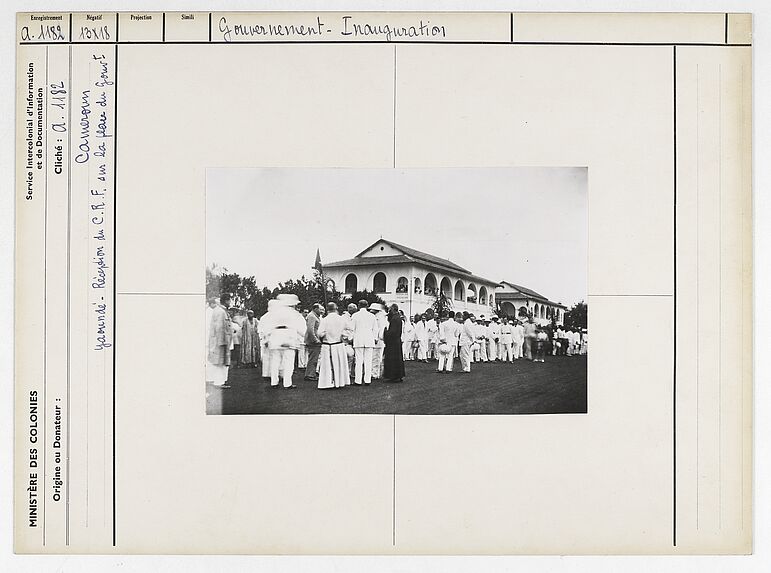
(520, 302)
(412, 279)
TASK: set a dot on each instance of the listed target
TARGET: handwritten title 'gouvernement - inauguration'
(347, 27)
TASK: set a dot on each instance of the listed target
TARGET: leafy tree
(441, 303)
(240, 289)
(245, 293)
(220, 281)
(258, 302)
(576, 317)
(308, 290)
(355, 297)
(233, 284)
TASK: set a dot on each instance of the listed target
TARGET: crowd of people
(364, 342)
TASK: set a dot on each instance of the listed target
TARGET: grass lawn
(555, 387)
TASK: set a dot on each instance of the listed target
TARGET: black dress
(393, 359)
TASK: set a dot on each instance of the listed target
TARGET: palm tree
(441, 303)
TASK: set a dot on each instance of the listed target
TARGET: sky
(526, 225)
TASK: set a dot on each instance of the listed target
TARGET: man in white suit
(494, 339)
(421, 336)
(348, 314)
(286, 329)
(378, 311)
(263, 327)
(507, 342)
(457, 319)
(467, 336)
(518, 335)
(483, 327)
(365, 335)
(408, 337)
(448, 342)
(432, 331)
(479, 345)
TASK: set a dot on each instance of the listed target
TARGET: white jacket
(285, 329)
(365, 329)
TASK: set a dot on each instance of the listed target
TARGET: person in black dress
(393, 359)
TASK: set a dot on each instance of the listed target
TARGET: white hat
(376, 306)
(288, 299)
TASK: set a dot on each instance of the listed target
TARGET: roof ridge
(418, 254)
(524, 289)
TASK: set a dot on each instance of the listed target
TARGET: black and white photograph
(291, 285)
(422, 291)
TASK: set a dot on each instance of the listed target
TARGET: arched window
(471, 293)
(536, 311)
(351, 284)
(379, 283)
(482, 295)
(543, 313)
(523, 312)
(401, 284)
(447, 287)
(459, 291)
(418, 286)
(430, 285)
(508, 309)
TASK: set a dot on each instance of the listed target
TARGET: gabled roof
(410, 256)
(524, 294)
(524, 290)
(361, 261)
(475, 278)
(418, 255)
(514, 296)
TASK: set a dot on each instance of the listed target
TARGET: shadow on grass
(557, 386)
